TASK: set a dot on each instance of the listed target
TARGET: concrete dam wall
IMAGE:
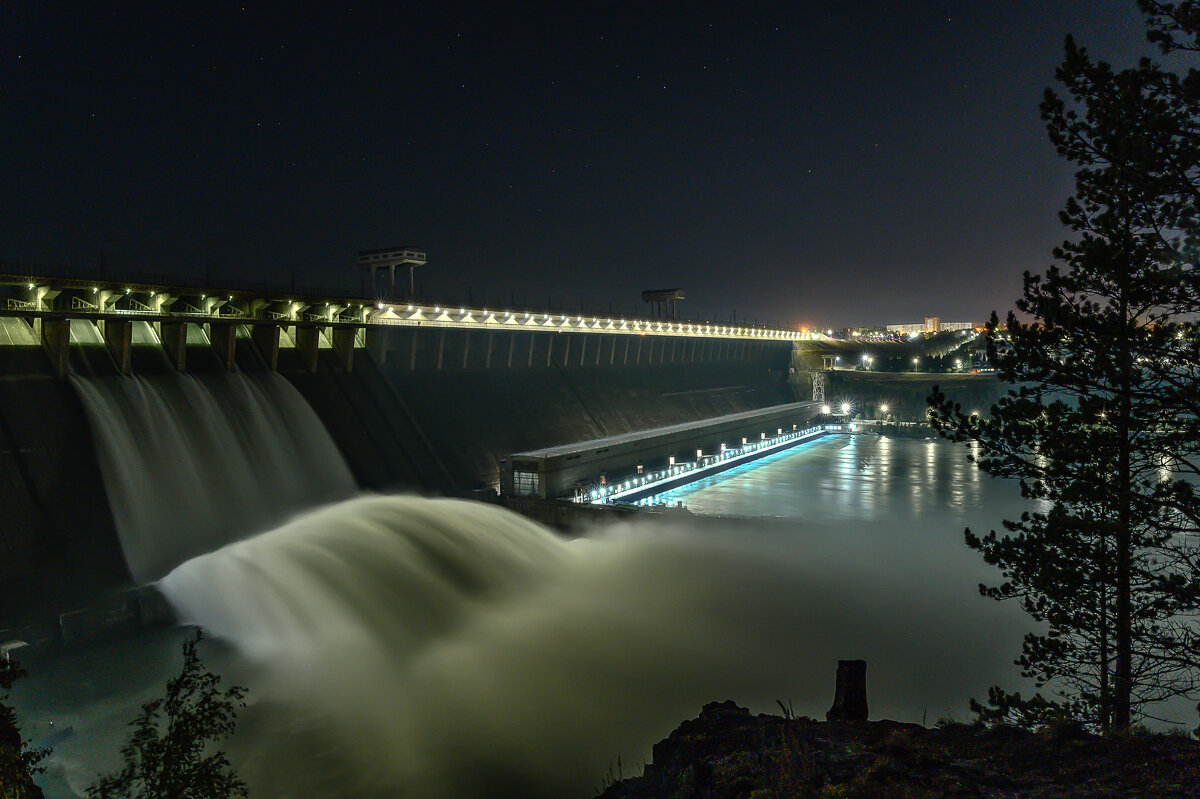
(498, 393)
(422, 409)
(58, 542)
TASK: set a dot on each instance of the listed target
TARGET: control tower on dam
(417, 397)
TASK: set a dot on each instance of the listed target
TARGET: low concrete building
(557, 471)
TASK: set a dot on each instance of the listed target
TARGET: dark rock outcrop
(727, 752)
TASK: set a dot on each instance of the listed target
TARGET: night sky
(825, 164)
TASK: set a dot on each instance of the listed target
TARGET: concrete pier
(223, 338)
(308, 340)
(266, 338)
(343, 346)
(173, 335)
(56, 341)
(118, 335)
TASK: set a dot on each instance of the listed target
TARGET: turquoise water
(859, 479)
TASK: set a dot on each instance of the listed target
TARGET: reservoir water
(398, 646)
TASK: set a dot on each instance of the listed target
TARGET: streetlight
(824, 409)
(845, 407)
(883, 409)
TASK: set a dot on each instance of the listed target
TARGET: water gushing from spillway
(191, 463)
(407, 647)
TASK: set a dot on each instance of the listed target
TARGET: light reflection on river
(859, 478)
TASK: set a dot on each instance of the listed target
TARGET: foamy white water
(191, 463)
(399, 646)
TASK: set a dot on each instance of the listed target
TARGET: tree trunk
(1123, 690)
(1105, 665)
(850, 694)
(1124, 678)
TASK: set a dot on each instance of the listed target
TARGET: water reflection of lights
(752, 481)
(859, 479)
(636, 490)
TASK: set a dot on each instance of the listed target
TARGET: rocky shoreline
(727, 752)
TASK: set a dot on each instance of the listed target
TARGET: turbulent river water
(399, 646)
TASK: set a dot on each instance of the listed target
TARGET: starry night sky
(824, 164)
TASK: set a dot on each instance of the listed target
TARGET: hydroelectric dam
(143, 423)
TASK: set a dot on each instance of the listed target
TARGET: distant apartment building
(932, 324)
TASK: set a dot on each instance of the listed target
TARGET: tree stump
(850, 696)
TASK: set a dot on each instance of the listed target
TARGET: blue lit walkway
(650, 489)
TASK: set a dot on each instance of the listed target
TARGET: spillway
(191, 463)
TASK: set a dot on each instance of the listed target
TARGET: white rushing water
(407, 647)
(191, 463)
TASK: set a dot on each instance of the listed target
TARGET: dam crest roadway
(310, 322)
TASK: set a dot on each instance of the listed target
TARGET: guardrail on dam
(428, 400)
(315, 321)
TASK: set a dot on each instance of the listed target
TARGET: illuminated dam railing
(34, 291)
(675, 475)
(473, 318)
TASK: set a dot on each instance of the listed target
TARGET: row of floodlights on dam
(603, 492)
(485, 314)
(229, 298)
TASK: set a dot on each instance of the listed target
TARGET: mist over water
(398, 646)
(408, 647)
(191, 463)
